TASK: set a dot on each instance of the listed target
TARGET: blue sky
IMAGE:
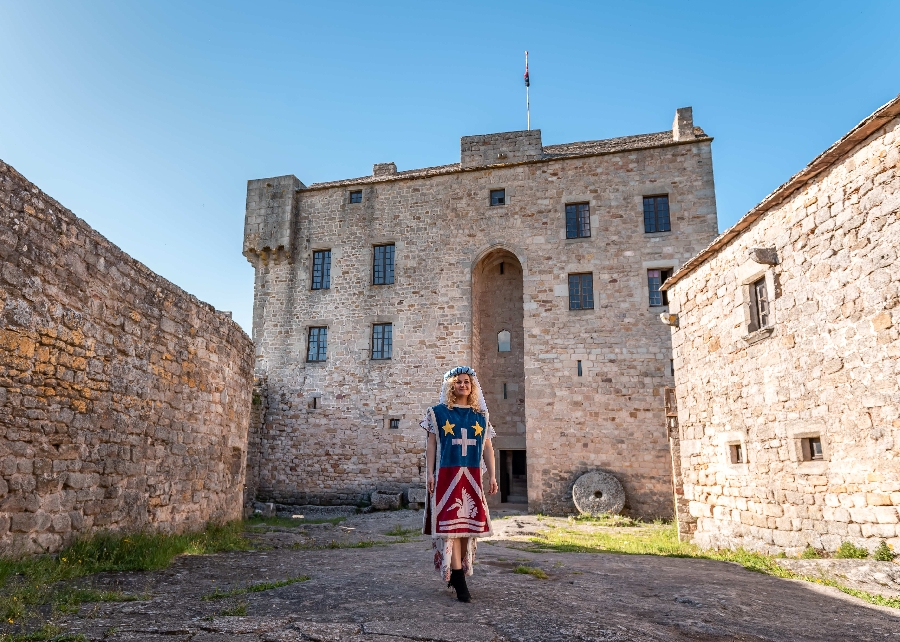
(147, 118)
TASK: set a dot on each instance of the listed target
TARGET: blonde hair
(474, 397)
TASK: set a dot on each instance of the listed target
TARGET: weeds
(809, 553)
(849, 551)
(405, 534)
(254, 588)
(47, 633)
(884, 553)
(238, 610)
(531, 570)
(290, 522)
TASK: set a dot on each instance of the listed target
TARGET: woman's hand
(431, 484)
(494, 487)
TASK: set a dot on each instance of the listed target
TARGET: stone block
(386, 501)
(417, 495)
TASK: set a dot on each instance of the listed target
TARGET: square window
(759, 305)
(737, 454)
(655, 279)
(395, 424)
(317, 346)
(321, 274)
(382, 340)
(356, 196)
(578, 220)
(656, 214)
(498, 197)
(581, 291)
(812, 449)
(383, 269)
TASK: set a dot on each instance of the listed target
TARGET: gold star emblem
(448, 428)
(478, 429)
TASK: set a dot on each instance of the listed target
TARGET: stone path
(388, 593)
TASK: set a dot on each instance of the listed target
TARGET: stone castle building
(787, 358)
(539, 265)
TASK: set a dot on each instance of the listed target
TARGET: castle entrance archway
(498, 355)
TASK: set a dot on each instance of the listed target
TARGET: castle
(539, 265)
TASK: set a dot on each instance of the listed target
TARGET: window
(656, 214)
(504, 391)
(581, 291)
(503, 341)
(383, 272)
(655, 278)
(578, 220)
(498, 197)
(737, 454)
(759, 305)
(356, 196)
(382, 340)
(579, 367)
(395, 424)
(321, 274)
(812, 449)
(317, 347)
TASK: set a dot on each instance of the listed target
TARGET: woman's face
(463, 387)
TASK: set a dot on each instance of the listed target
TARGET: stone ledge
(758, 335)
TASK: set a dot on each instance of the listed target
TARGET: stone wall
(827, 367)
(124, 401)
(326, 435)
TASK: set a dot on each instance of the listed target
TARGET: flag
(527, 79)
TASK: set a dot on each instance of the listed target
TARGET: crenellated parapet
(270, 215)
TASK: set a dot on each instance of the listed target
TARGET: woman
(459, 436)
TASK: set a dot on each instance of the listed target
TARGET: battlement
(499, 149)
(268, 226)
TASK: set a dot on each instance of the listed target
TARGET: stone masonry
(822, 371)
(326, 435)
(124, 401)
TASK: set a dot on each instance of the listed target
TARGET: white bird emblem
(466, 506)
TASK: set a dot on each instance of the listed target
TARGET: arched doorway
(498, 354)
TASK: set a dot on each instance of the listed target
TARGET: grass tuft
(238, 610)
(404, 534)
(254, 588)
(809, 553)
(849, 551)
(531, 570)
(289, 522)
(884, 553)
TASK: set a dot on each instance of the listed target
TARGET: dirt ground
(384, 590)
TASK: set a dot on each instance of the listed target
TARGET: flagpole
(527, 97)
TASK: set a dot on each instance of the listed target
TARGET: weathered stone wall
(326, 436)
(124, 401)
(828, 367)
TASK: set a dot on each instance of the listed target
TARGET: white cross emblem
(465, 442)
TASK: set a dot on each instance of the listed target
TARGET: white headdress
(482, 404)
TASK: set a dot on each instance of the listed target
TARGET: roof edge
(820, 163)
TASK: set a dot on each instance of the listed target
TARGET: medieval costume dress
(458, 507)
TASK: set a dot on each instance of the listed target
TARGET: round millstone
(597, 492)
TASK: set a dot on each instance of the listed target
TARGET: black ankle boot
(458, 582)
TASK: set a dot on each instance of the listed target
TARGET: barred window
(655, 279)
(394, 424)
(321, 275)
(317, 345)
(383, 271)
(581, 291)
(356, 196)
(578, 220)
(656, 214)
(382, 340)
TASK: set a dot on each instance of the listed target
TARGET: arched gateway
(498, 353)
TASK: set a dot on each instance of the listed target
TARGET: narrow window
(655, 278)
(578, 220)
(760, 304)
(503, 341)
(737, 453)
(498, 197)
(672, 367)
(501, 267)
(581, 291)
(504, 391)
(321, 274)
(382, 341)
(356, 196)
(383, 269)
(317, 345)
(656, 214)
(579, 368)
(395, 424)
(314, 405)
(812, 449)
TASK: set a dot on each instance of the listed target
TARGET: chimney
(384, 169)
(683, 127)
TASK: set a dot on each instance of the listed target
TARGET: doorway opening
(513, 477)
